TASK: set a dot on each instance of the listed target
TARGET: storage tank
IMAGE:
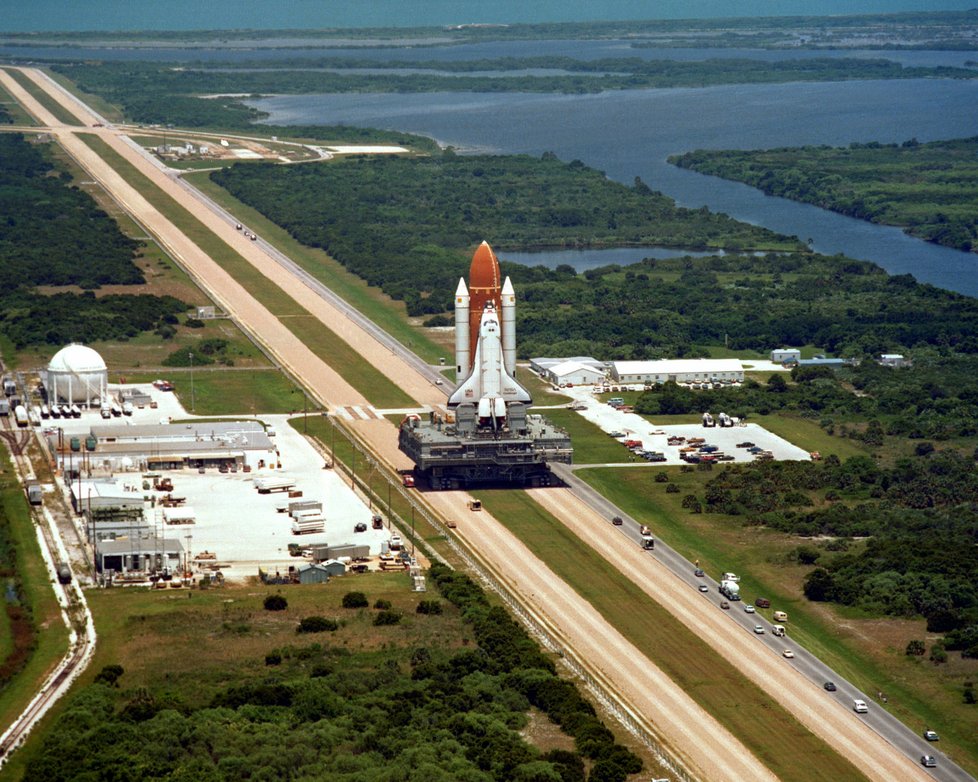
(77, 374)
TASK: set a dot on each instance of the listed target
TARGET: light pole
(193, 398)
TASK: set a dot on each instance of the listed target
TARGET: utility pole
(193, 399)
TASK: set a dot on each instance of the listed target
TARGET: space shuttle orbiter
(485, 340)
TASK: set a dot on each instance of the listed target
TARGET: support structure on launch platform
(493, 438)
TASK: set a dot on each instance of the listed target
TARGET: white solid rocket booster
(509, 328)
(462, 358)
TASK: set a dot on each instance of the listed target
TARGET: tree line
(327, 711)
(930, 190)
(53, 234)
(409, 226)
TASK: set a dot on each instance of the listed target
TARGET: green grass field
(865, 650)
(781, 743)
(807, 434)
(324, 343)
(228, 391)
(97, 102)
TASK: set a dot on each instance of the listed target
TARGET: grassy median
(41, 96)
(785, 746)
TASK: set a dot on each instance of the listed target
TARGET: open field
(221, 390)
(97, 102)
(538, 388)
(867, 651)
(341, 357)
(370, 301)
(14, 109)
(784, 746)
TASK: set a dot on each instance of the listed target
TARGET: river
(631, 133)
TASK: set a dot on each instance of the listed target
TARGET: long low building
(680, 370)
(173, 446)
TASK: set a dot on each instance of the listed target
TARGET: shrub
(661, 477)
(938, 654)
(273, 658)
(355, 600)
(276, 603)
(317, 624)
(194, 323)
(109, 675)
(429, 607)
(672, 489)
(383, 605)
(969, 693)
(807, 555)
(387, 618)
(916, 648)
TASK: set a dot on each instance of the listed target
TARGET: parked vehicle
(780, 616)
(931, 735)
(762, 602)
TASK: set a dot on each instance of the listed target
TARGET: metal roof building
(683, 370)
(173, 446)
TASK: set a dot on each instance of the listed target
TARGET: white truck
(730, 586)
(724, 420)
(648, 542)
(708, 420)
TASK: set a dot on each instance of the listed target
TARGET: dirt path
(711, 751)
(837, 726)
(363, 343)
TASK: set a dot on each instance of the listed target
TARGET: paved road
(910, 744)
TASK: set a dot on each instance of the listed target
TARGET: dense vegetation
(159, 93)
(931, 189)
(409, 226)
(19, 620)
(424, 714)
(54, 234)
(934, 399)
(878, 30)
(919, 515)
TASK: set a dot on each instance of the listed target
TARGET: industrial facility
(242, 445)
(76, 375)
(492, 438)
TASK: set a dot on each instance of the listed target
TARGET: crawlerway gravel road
(695, 736)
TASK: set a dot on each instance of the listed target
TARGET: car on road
(829, 686)
(704, 588)
(748, 608)
(724, 605)
(928, 761)
(931, 735)
(788, 654)
(617, 521)
(439, 382)
(860, 707)
(758, 630)
(699, 573)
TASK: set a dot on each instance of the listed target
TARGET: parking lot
(635, 427)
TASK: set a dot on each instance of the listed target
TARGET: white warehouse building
(573, 373)
(680, 370)
(76, 374)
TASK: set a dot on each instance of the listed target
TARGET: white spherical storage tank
(77, 374)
